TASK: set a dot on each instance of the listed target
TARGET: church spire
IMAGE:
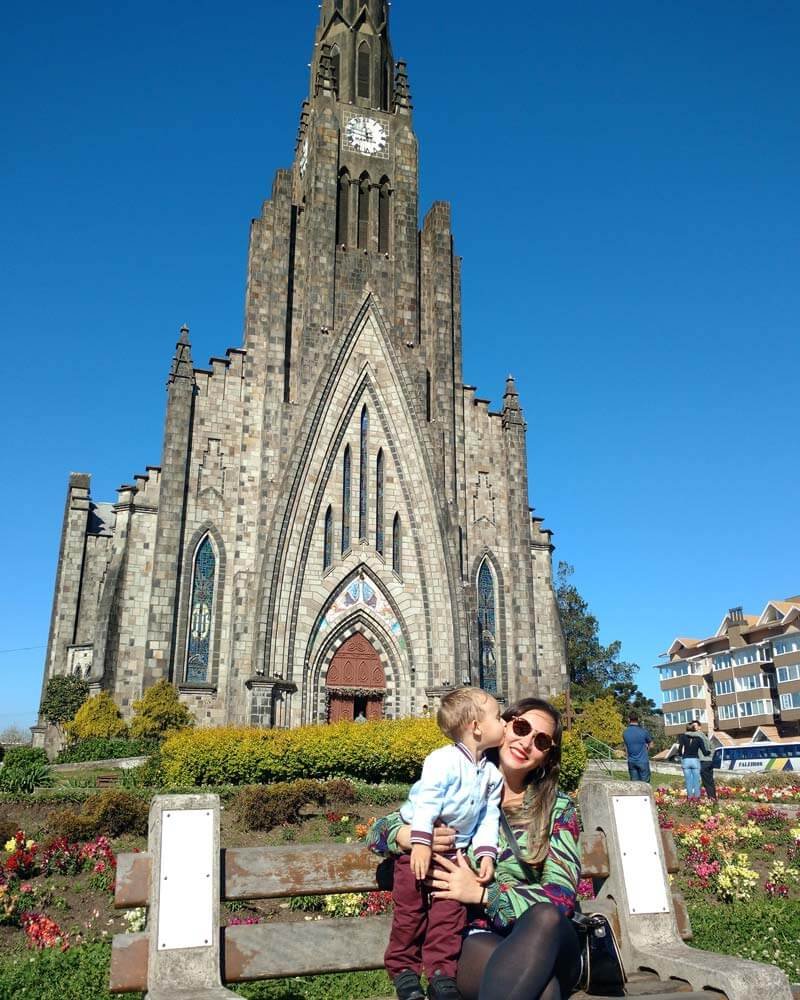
(352, 50)
(182, 366)
(512, 411)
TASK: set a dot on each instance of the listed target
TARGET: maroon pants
(426, 934)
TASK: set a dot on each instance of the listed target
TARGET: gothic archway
(355, 683)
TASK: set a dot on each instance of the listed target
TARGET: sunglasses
(542, 741)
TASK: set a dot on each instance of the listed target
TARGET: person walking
(637, 740)
(690, 745)
(706, 764)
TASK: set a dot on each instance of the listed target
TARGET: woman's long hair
(542, 783)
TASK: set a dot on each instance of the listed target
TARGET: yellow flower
(10, 846)
(29, 844)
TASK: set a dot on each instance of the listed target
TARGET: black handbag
(602, 971)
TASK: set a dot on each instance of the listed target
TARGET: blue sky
(624, 186)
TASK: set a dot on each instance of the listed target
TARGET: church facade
(339, 525)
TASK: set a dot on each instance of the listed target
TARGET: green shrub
(109, 813)
(24, 769)
(100, 748)
(97, 718)
(261, 807)
(573, 762)
(159, 711)
(63, 696)
(371, 751)
(381, 795)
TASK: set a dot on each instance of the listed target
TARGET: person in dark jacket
(690, 746)
(637, 740)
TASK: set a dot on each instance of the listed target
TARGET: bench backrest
(274, 950)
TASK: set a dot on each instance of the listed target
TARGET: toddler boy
(461, 789)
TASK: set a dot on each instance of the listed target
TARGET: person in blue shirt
(637, 740)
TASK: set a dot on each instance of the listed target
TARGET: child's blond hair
(459, 709)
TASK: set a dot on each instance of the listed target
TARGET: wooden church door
(355, 681)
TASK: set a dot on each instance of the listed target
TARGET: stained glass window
(346, 491)
(487, 629)
(397, 545)
(327, 553)
(200, 622)
(362, 483)
(379, 502)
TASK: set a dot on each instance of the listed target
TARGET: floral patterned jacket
(513, 890)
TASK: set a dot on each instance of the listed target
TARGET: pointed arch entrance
(355, 683)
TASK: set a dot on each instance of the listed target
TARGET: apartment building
(741, 683)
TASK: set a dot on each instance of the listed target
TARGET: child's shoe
(442, 988)
(406, 983)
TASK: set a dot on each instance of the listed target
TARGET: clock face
(304, 158)
(366, 135)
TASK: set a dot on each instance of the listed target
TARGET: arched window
(336, 63)
(327, 545)
(428, 395)
(343, 208)
(201, 609)
(362, 482)
(363, 71)
(379, 502)
(346, 492)
(384, 216)
(487, 629)
(363, 212)
(397, 544)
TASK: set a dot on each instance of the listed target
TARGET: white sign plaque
(185, 915)
(637, 835)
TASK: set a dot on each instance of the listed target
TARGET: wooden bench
(190, 953)
(106, 780)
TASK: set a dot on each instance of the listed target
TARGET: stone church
(339, 525)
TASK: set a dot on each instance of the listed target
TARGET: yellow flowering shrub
(388, 750)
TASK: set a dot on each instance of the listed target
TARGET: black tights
(538, 960)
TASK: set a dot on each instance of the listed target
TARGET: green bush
(381, 795)
(159, 711)
(100, 748)
(371, 751)
(261, 807)
(24, 769)
(97, 718)
(573, 762)
(109, 813)
(63, 696)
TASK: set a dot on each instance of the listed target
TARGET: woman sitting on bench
(520, 944)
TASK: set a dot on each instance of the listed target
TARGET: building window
(362, 479)
(327, 545)
(726, 712)
(751, 681)
(723, 687)
(786, 645)
(790, 700)
(682, 718)
(487, 629)
(682, 693)
(343, 208)
(721, 661)
(363, 212)
(363, 71)
(200, 619)
(742, 656)
(760, 707)
(790, 673)
(379, 502)
(397, 545)
(384, 216)
(346, 494)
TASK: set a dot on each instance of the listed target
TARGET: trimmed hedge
(99, 748)
(386, 751)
